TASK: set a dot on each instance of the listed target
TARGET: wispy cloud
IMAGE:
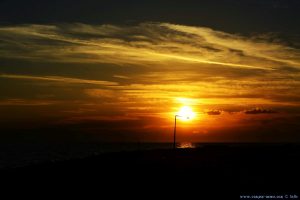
(27, 102)
(256, 111)
(143, 44)
(243, 46)
(121, 76)
(214, 112)
(59, 79)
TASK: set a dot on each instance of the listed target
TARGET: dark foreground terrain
(214, 170)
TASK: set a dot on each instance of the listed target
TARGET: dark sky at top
(239, 16)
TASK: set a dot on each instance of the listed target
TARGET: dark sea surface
(19, 155)
(153, 168)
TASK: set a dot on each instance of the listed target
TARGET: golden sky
(125, 83)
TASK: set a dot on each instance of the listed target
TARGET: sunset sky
(119, 71)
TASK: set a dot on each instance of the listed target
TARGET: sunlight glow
(186, 113)
(186, 145)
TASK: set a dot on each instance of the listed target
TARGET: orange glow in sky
(127, 82)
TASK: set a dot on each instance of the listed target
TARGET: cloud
(259, 111)
(59, 79)
(121, 77)
(101, 93)
(214, 112)
(27, 102)
(143, 44)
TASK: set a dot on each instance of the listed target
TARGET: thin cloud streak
(182, 58)
(60, 79)
(27, 102)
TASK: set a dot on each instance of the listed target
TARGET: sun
(186, 113)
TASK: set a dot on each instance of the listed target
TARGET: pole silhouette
(174, 141)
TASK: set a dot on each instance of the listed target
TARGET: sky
(119, 71)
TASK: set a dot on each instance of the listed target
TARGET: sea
(17, 155)
(24, 154)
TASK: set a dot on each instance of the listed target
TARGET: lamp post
(174, 141)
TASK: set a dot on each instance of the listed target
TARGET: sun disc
(186, 113)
